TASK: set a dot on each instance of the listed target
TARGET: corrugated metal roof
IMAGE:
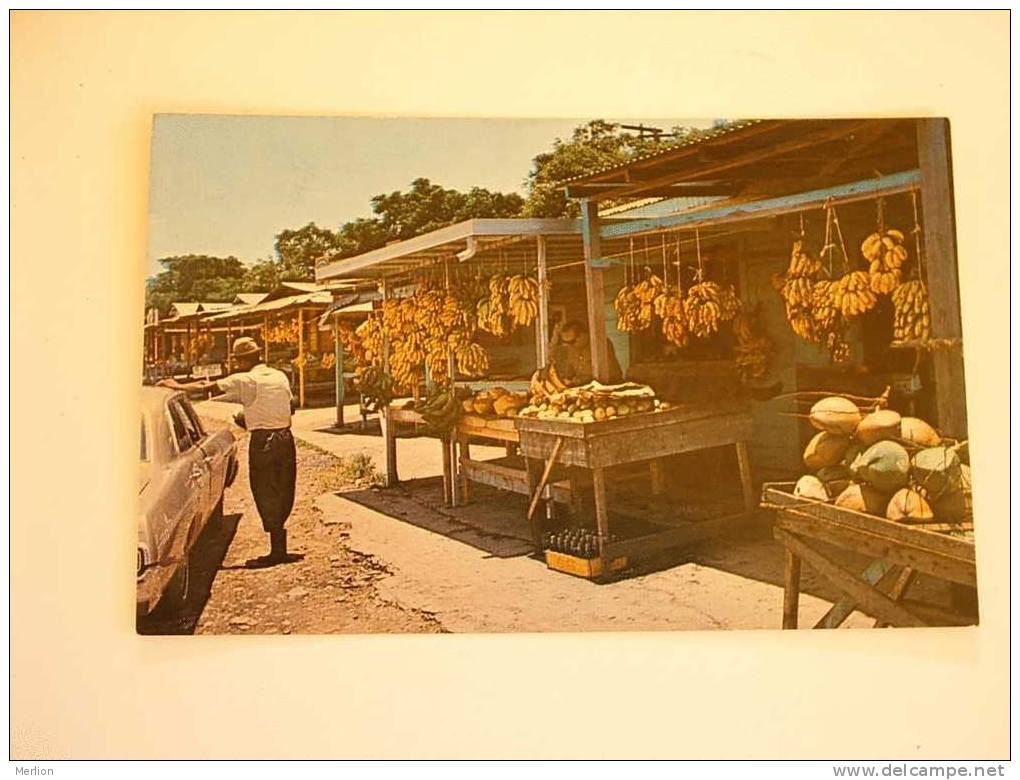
(249, 299)
(659, 207)
(708, 135)
(180, 309)
(217, 306)
(321, 297)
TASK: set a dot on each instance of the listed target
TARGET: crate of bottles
(576, 551)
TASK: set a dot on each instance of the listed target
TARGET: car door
(214, 455)
(193, 475)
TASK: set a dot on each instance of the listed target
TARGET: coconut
(810, 486)
(938, 470)
(835, 478)
(908, 505)
(825, 449)
(883, 424)
(885, 465)
(917, 431)
(862, 498)
(835, 415)
(954, 505)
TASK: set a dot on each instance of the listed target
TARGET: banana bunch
(670, 307)
(370, 335)
(886, 255)
(407, 360)
(441, 410)
(544, 383)
(283, 332)
(802, 265)
(375, 387)
(492, 312)
(327, 360)
(753, 348)
(451, 315)
(707, 305)
(911, 319)
(853, 294)
(824, 308)
(629, 312)
(472, 359)
(523, 295)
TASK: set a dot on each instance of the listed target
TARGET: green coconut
(810, 486)
(835, 414)
(917, 431)
(825, 449)
(861, 497)
(938, 470)
(909, 506)
(885, 465)
(883, 424)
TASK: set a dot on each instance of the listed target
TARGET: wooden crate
(589, 568)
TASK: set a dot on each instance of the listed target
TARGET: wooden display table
(898, 552)
(648, 436)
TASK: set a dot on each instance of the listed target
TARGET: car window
(193, 417)
(180, 427)
(145, 444)
(190, 424)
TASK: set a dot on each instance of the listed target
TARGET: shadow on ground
(206, 558)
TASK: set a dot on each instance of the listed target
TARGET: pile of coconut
(884, 464)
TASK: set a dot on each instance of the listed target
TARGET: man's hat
(245, 346)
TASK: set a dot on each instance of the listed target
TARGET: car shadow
(206, 558)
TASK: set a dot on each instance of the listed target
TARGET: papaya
(825, 449)
(917, 431)
(482, 406)
(907, 504)
(835, 414)
(885, 465)
(883, 424)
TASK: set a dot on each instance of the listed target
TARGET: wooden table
(898, 552)
(648, 436)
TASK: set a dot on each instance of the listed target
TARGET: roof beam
(757, 155)
(733, 212)
(691, 189)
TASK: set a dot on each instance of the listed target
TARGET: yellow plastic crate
(581, 567)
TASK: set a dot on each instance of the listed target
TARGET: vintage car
(184, 472)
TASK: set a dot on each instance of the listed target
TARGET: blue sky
(225, 185)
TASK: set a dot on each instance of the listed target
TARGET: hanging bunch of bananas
(407, 360)
(886, 255)
(753, 348)
(472, 359)
(375, 387)
(707, 305)
(797, 290)
(370, 335)
(853, 294)
(283, 332)
(911, 319)
(628, 310)
(825, 310)
(327, 360)
(451, 315)
(522, 299)
(670, 308)
(492, 312)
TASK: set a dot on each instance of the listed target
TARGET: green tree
(300, 250)
(262, 276)
(194, 278)
(591, 147)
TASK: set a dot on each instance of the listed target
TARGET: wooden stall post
(943, 280)
(230, 354)
(542, 324)
(791, 590)
(385, 422)
(596, 290)
(338, 353)
(301, 356)
(265, 339)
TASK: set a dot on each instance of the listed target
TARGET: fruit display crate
(810, 529)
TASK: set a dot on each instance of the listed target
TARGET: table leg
(658, 474)
(534, 467)
(464, 445)
(390, 438)
(447, 473)
(601, 515)
(744, 462)
(451, 449)
(791, 590)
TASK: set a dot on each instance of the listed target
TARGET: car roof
(154, 398)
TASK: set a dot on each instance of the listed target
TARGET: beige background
(83, 89)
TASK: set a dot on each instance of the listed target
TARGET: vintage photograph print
(552, 375)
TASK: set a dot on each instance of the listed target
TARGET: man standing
(272, 459)
(576, 367)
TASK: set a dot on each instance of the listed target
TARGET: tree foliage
(298, 251)
(194, 278)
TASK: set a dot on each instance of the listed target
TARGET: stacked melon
(883, 464)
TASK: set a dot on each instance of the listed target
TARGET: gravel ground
(327, 589)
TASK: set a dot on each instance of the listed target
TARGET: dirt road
(328, 589)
